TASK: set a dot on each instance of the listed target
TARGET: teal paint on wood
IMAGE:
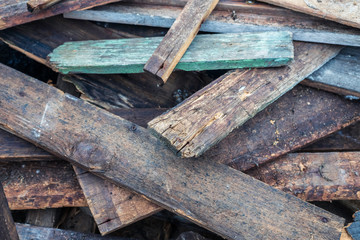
(207, 52)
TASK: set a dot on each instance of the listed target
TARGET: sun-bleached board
(245, 50)
(129, 155)
(201, 121)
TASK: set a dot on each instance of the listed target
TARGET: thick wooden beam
(110, 146)
(345, 12)
(201, 121)
(314, 176)
(304, 27)
(7, 225)
(340, 75)
(15, 12)
(179, 37)
(246, 50)
(35, 6)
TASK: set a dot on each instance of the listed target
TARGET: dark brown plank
(15, 12)
(314, 176)
(39, 185)
(179, 37)
(7, 225)
(130, 156)
(38, 5)
(201, 121)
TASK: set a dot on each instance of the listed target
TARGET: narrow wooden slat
(179, 37)
(201, 121)
(130, 55)
(40, 233)
(340, 75)
(345, 12)
(35, 6)
(304, 27)
(130, 156)
(7, 225)
(314, 176)
(15, 12)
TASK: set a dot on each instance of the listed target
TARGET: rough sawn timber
(179, 37)
(201, 121)
(212, 195)
(207, 52)
(346, 12)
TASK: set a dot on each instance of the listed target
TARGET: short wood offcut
(111, 147)
(207, 52)
(179, 38)
(201, 121)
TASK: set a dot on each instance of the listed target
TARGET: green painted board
(207, 52)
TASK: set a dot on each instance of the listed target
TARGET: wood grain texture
(227, 51)
(39, 185)
(38, 5)
(340, 75)
(201, 121)
(40, 233)
(346, 12)
(248, 206)
(304, 27)
(15, 12)
(314, 176)
(7, 225)
(179, 37)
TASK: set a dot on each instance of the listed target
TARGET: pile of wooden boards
(235, 129)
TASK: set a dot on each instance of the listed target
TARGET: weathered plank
(7, 225)
(345, 12)
(304, 27)
(41, 217)
(39, 185)
(40, 233)
(227, 51)
(117, 157)
(15, 12)
(179, 37)
(38, 5)
(340, 75)
(201, 121)
(314, 176)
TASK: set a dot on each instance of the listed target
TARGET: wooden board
(7, 225)
(15, 12)
(41, 217)
(40, 233)
(201, 121)
(38, 5)
(335, 175)
(340, 75)
(179, 37)
(130, 55)
(345, 12)
(39, 185)
(110, 146)
(304, 27)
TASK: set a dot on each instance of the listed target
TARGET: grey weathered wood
(212, 195)
(41, 217)
(179, 37)
(304, 27)
(207, 52)
(201, 121)
(340, 75)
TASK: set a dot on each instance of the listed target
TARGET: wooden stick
(116, 149)
(15, 12)
(201, 121)
(304, 27)
(7, 225)
(130, 55)
(346, 12)
(35, 6)
(179, 37)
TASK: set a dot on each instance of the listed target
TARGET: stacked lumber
(238, 114)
